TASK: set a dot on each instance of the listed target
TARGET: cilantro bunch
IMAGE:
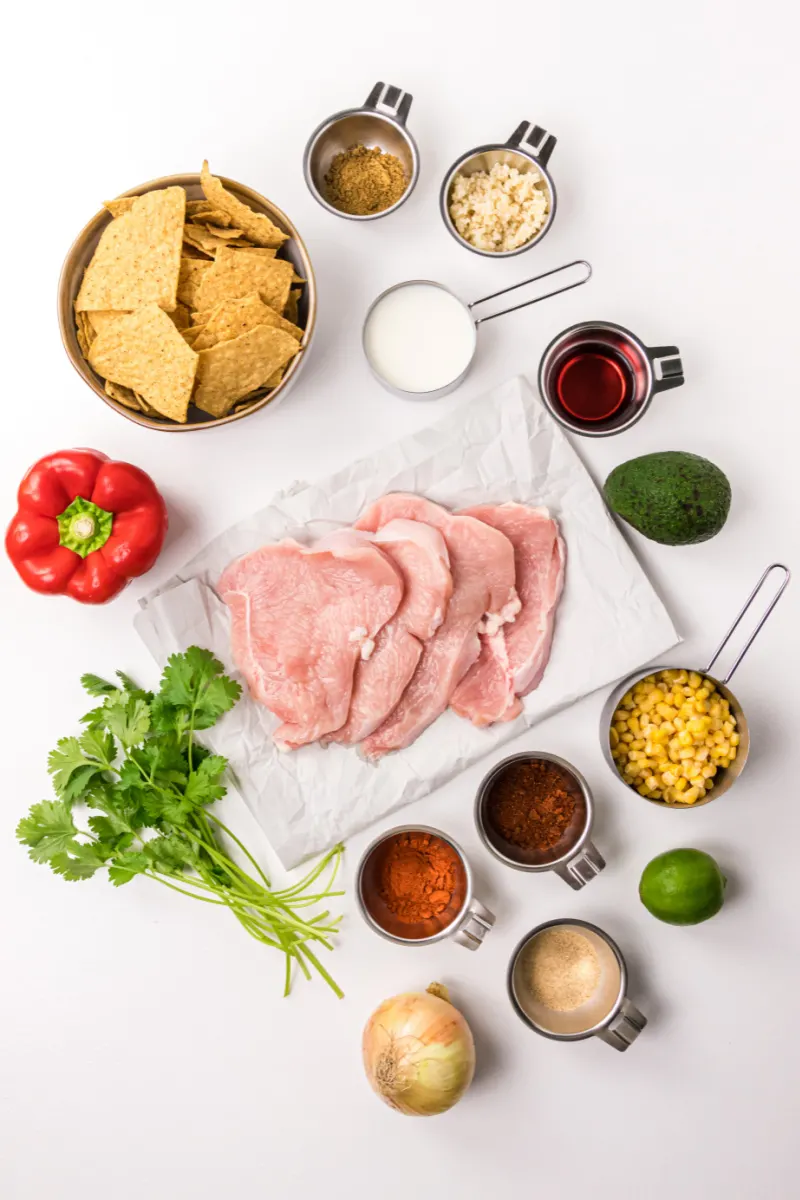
(145, 787)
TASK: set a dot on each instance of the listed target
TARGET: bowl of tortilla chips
(188, 302)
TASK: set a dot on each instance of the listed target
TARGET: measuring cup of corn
(679, 737)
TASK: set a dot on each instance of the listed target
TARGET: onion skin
(419, 1054)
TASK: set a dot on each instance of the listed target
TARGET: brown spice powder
(531, 804)
(361, 181)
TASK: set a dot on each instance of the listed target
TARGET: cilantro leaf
(203, 786)
(125, 866)
(128, 720)
(71, 769)
(195, 681)
(98, 745)
(96, 686)
(126, 681)
(171, 853)
(109, 827)
(78, 861)
(47, 829)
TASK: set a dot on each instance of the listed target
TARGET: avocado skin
(671, 497)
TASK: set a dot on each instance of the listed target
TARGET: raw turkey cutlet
(301, 620)
(482, 565)
(512, 661)
(420, 554)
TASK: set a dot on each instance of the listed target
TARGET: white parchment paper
(502, 446)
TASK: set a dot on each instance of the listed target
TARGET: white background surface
(145, 1048)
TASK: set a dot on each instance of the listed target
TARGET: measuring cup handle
(625, 1028)
(476, 924)
(671, 367)
(578, 262)
(787, 575)
(581, 869)
(392, 98)
(535, 141)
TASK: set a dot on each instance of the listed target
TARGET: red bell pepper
(85, 525)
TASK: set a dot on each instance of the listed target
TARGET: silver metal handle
(534, 140)
(625, 1028)
(787, 576)
(392, 98)
(581, 869)
(476, 924)
(671, 367)
(579, 262)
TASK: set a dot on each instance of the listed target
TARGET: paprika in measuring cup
(85, 526)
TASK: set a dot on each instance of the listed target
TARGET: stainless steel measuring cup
(726, 776)
(608, 1014)
(528, 144)
(466, 923)
(380, 122)
(451, 385)
(574, 857)
(637, 362)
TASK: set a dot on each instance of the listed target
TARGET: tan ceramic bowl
(84, 247)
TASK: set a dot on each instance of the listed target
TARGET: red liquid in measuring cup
(593, 383)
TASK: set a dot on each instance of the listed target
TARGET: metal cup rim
(583, 1034)
(403, 393)
(574, 426)
(447, 182)
(469, 894)
(618, 691)
(485, 786)
(402, 129)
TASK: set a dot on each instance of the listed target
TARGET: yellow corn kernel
(680, 785)
(700, 706)
(676, 698)
(701, 754)
(668, 794)
(626, 737)
(673, 756)
(709, 683)
(638, 743)
(666, 711)
(691, 795)
(669, 676)
(695, 680)
(659, 753)
(681, 677)
(735, 738)
(702, 693)
(661, 735)
(686, 753)
(613, 738)
(678, 723)
(692, 770)
(643, 789)
(732, 753)
(687, 711)
(685, 738)
(633, 724)
(727, 728)
(709, 771)
(668, 778)
(708, 783)
(724, 762)
(656, 695)
(715, 709)
(696, 725)
(651, 782)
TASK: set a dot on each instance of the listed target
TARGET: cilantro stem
(210, 816)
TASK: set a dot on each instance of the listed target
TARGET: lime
(682, 887)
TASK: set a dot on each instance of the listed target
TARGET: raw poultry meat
(512, 661)
(420, 554)
(482, 565)
(301, 620)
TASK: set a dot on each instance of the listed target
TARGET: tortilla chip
(119, 206)
(102, 319)
(190, 335)
(202, 238)
(290, 311)
(85, 333)
(275, 379)
(190, 274)
(201, 210)
(230, 370)
(232, 318)
(248, 248)
(236, 274)
(145, 352)
(256, 226)
(122, 395)
(138, 258)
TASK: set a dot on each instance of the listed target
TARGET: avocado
(672, 497)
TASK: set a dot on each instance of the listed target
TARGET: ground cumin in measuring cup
(362, 180)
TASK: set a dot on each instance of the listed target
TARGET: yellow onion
(418, 1052)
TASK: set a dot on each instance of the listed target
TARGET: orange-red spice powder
(419, 877)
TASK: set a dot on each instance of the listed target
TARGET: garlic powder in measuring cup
(419, 337)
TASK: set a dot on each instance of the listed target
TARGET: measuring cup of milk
(420, 339)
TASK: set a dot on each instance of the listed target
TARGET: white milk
(419, 337)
